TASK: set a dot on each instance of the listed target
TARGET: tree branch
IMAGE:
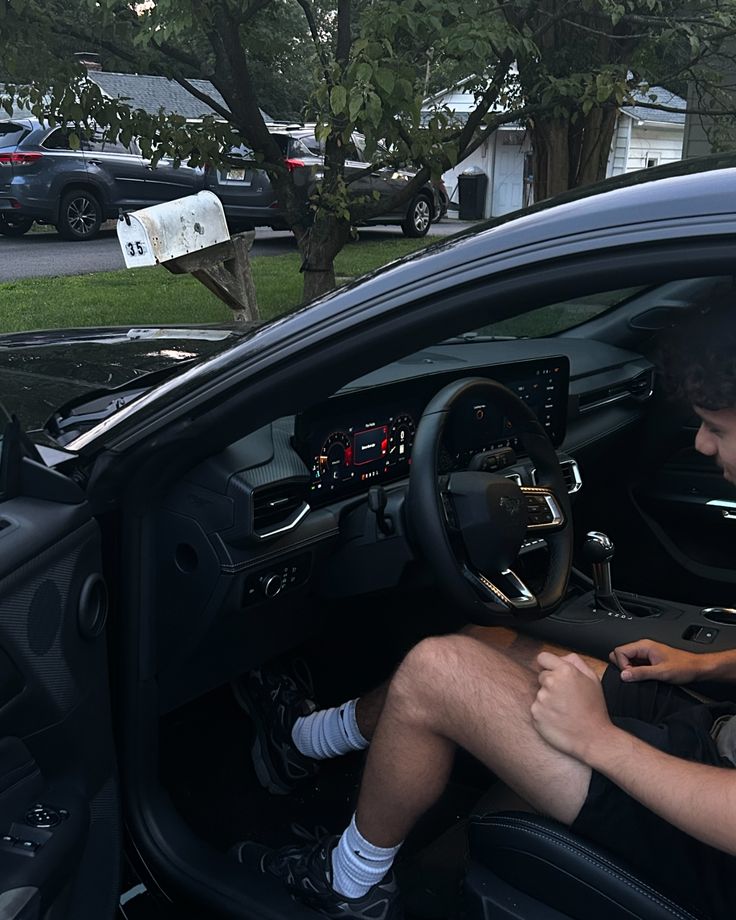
(314, 32)
(206, 98)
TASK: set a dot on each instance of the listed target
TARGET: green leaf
(373, 109)
(338, 99)
(356, 104)
(386, 80)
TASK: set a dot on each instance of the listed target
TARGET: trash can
(472, 185)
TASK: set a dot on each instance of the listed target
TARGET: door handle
(728, 515)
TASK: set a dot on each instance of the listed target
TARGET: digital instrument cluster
(363, 438)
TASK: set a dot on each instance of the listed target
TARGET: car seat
(527, 867)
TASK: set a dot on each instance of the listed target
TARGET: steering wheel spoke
(543, 510)
(448, 508)
(505, 588)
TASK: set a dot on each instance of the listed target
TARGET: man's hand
(650, 660)
(569, 711)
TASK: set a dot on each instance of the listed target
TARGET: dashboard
(248, 543)
(366, 438)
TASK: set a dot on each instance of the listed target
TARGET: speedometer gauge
(401, 439)
(335, 460)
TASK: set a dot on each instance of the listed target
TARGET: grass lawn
(148, 296)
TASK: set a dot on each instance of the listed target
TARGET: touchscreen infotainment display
(366, 437)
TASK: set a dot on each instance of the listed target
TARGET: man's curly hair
(697, 359)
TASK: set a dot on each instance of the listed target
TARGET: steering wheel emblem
(512, 506)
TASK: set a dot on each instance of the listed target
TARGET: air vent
(570, 473)
(639, 388)
(642, 386)
(278, 508)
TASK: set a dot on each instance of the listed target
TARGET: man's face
(716, 438)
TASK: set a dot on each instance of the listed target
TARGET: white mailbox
(173, 229)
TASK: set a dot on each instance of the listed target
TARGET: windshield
(558, 317)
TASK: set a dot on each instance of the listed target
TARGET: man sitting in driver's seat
(618, 752)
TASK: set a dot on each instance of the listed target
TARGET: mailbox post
(190, 236)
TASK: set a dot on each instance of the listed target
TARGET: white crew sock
(329, 732)
(357, 865)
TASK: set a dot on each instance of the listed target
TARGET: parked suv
(42, 179)
(249, 199)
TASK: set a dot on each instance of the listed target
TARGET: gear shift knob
(598, 552)
(598, 548)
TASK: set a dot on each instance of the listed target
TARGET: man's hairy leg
(450, 691)
(519, 648)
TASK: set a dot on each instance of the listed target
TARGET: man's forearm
(718, 666)
(698, 799)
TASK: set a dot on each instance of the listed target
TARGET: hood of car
(40, 372)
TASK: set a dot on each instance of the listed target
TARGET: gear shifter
(598, 551)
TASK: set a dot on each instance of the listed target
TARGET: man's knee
(437, 668)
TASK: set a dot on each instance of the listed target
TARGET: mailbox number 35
(136, 248)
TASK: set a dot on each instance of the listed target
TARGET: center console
(599, 618)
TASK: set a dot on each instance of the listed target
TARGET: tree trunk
(571, 154)
(597, 134)
(318, 248)
(551, 152)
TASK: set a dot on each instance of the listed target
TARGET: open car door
(59, 816)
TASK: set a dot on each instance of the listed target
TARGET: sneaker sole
(262, 762)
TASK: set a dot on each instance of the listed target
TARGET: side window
(11, 134)
(298, 149)
(57, 140)
(313, 146)
(98, 143)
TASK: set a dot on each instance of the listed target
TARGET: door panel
(165, 181)
(691, 510)
(59, 823)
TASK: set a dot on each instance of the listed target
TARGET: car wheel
(80, 216)
(14, 226)
(418, 218)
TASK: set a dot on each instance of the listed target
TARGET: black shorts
(693, 874)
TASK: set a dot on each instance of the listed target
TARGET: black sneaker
(306, 871)
(274, 702)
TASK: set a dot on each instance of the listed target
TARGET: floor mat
(206, 768)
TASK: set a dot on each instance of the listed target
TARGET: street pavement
(45, 255)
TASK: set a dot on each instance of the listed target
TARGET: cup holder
(725, 615)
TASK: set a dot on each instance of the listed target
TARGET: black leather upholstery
(545, 861)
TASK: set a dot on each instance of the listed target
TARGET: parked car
(42, 179)
(178, 506)
(250, 201)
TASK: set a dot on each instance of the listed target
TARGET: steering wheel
(470, 525)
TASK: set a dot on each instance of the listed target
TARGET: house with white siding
(642, 138)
